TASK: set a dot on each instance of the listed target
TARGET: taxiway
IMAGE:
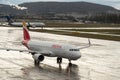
(99, 62)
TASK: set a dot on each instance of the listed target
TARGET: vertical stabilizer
(25, 32)
(9, 20)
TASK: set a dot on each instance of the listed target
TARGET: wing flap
(20, 50)
(45, 53)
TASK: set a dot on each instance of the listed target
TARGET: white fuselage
(55, 49)
(36, 24)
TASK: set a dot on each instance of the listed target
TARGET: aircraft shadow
(70, 73)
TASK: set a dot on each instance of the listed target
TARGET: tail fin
(9, 20)
(25, 32)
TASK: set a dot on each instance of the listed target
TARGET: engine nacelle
(38, 57)
(33, 26)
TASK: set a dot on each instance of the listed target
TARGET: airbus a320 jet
(28, 24)
(40, 49)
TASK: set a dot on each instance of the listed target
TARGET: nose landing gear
(36, 62)
(70, 64)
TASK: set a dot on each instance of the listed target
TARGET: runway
(99, 62)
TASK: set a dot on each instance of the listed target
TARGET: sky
(113, 3)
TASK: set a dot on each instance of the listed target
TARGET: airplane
(40, 49)
(29, 24)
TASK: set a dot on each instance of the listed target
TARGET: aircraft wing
(9, 49)
(45, 52)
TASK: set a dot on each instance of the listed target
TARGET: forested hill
(66, 7)
(58, 7)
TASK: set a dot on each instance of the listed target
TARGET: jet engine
(33, 26)
(38, 57)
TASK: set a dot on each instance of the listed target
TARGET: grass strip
(71, 24)
(87, 35)
(107, 31)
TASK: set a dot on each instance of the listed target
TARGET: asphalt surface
(99, 62)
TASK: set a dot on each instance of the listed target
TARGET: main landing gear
(36, 62)
(59, 60)
(37, 59)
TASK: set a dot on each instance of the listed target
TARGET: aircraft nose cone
(78, 55)
(74, 55)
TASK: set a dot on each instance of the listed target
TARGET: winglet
(89, 42)
(9, 20)
(86, 46)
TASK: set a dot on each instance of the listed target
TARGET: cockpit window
(74, 50)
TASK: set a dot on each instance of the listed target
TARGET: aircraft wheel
(70, 64)
(59, 60)
(36, 63)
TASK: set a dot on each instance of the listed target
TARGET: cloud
(113, 3)
(14, 5)
(116, 5)
(18, 7)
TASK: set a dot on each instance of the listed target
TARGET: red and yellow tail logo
(25, 31)
(24, 24)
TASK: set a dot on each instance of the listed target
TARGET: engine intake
(38, 57)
